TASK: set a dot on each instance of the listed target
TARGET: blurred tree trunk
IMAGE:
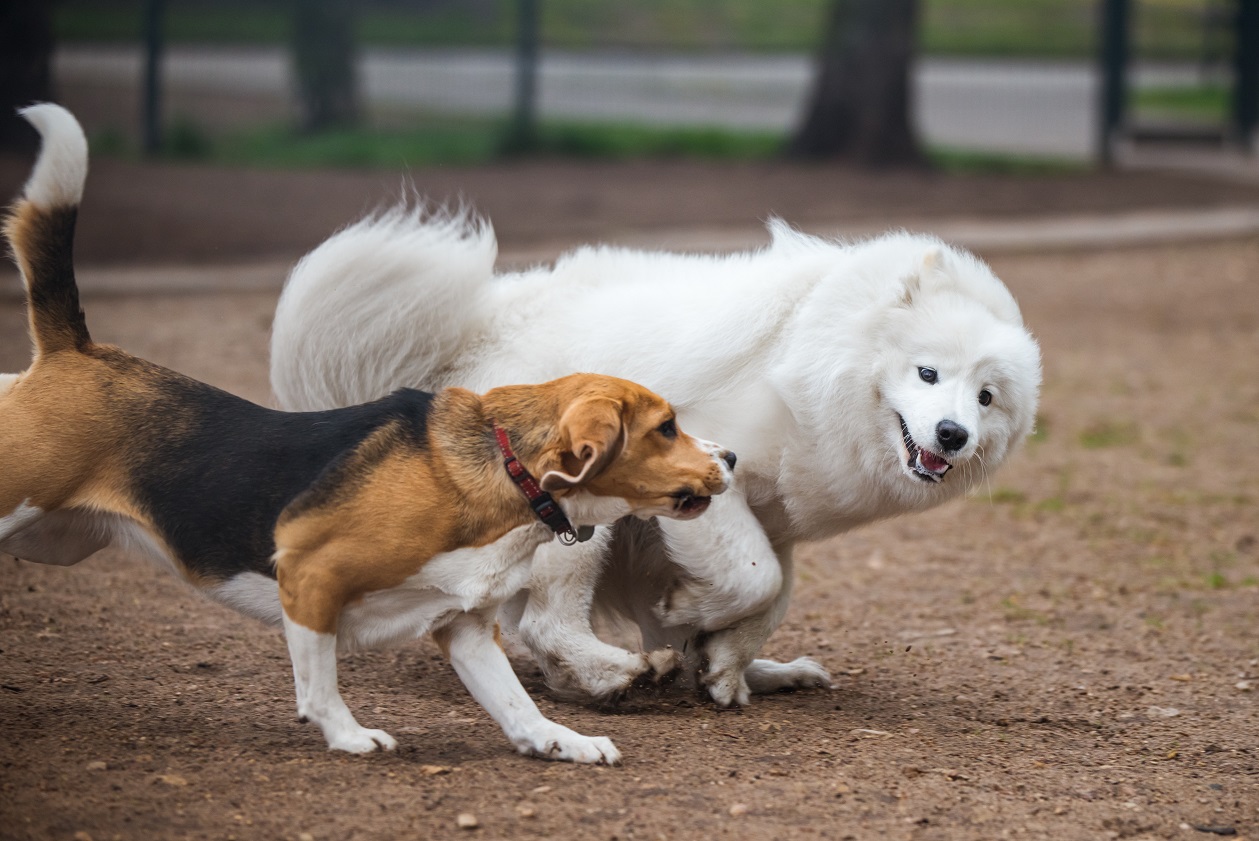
(324, 60)
(25, 67)
(860, 109)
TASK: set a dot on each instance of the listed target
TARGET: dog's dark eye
(928, 375)
(985, 397)
(668, 429)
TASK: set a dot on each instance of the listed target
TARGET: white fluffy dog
(854, 381)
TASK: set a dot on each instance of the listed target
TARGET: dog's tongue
(932, 462)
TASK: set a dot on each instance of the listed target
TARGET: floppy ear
(591, 436)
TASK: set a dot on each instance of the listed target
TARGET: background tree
(25, 67)
(860, 108)
(324, 53)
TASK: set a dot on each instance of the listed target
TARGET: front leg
(484, 669)
(733, 673)
(314, 657)
(731, 570)
(555, 623)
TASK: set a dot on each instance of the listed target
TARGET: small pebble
(467, 820)
(526, 810)
(1162, 712)
(98, 765)
(738, 809)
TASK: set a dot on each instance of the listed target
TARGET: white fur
(61, 170)
(799, 357)
(251, 593)
(19, 519)
(460, 590)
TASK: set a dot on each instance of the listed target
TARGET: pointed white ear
(931, 262)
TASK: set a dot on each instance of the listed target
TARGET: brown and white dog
(380, 522)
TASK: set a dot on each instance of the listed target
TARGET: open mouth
(686, 504)
(923, 464)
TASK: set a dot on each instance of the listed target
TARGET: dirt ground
(1069, 654)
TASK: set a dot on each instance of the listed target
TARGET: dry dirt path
(1071, 653)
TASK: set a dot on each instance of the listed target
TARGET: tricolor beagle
(380, 522)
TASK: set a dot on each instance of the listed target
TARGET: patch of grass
(626, 140)
(1056, 28)
(1216, 581)
(186, 139)
(1204, 103)
(1104, 434)
(443, 142)
(458, 141)
(435, 140)
(1039, 28)
(1007, 496)
(964, 162)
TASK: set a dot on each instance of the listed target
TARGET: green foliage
(444, 140)
(961, 162)
(435, 140)
(1038, 28)
(1206, 103)
(186, 140)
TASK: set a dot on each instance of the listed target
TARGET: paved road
(1000, 106)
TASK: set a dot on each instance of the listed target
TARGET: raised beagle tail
(40, 230)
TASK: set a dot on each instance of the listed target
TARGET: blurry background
(415, 82)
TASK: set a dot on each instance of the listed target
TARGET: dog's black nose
(730, 458)
(951, 436)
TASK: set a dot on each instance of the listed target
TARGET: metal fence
(1000, 76)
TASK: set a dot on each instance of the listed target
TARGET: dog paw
(766, 676)
(604, 676)
(564, 745)
(663, 663)
(362, 740)
(727, 687)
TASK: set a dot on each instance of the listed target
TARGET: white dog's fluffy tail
(381, 305)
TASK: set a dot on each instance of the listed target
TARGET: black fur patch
(218, 470)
